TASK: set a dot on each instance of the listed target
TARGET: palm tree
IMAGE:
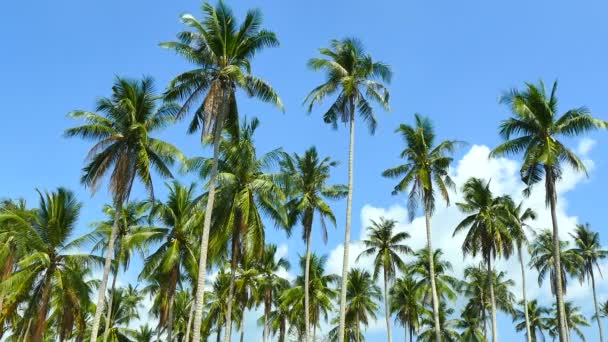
(386, 247)
(535, 129)
(321, 294)
(175, 257)
(471, 327)
(518, 217)
(604, 309)
(278, 318)
(246, 188)
(425, 170)
(222, 51)
(574, 319)
(269, 282)
(447, 325)
(247, 293)
(133, 235)
(588, 247)
(362, 294)
(124, 148)
(445, 283)
(352, 74)
(406, 303)
(488, 232)
(127, 302)
(536, 318)
(50, 268)
(216, 303)
(306, 185)
(542, 258)
(144, 334)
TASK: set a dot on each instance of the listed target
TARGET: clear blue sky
(451, 61)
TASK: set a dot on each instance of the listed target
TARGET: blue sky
(451, 61)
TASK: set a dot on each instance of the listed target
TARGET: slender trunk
(219, 332)
(267, 307)
(40, 325)
(282, 329)
(170, 318)
(358, 328)
(159, 330)
(492, 301)
(106, 332)
(405, 332)
(559, 294)
(202, 264)
(432, 276)
(386, 308)
(307, 285)
(188, 328)
(243, 324)
(349, 208)
(314, 333)
(101, 296)
(24, 337)
(523, 291)
(597, 309)
(233, 265)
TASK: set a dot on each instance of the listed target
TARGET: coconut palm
(269, 283)
(356, 80)
(125, 149)
(216, 303)
(278, 319)
(386, 247)
(445, 283)
(350, 335)
(246, 188)
(362, 294)
(587, 245)
(424, 172)
(321, 294)
(38, 281)
(133, 236)
(471, 326)
(542, 258)
(604, 309)
(175, 257)
(144, 334)
(574, 320)
(222, 51)
(487, 231)
(447, 325)
(406, 304)
(535, 129)
(518, 216)
(536, 318)
(127, 303)
(305, 179)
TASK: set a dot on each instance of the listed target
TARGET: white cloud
(585, 145)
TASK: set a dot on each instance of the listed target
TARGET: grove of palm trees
(204, 205)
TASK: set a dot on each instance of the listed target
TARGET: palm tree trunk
(219, 332)
(233, 264)
(188, 328)
(40, 324)
(386, 308)
(106, 332)
(306, 287)
(559, 294)
(405, 332)
(101, 296)
(523, 291)
(24, 338)
(432, 276)
(202, 264)
(597, 309)
(170, 318)
(267, 307)
(492, 301)
(349, 209)
(357, 328)
(243, 324)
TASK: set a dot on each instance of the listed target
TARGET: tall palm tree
(536, 318)
(447, 325)
(321, 294)
(133, 235)
(425, 170)
(362, 294)
(406, 303)
(278, 318)
(127, 303)
(445, 283)
(587, 245)
(222, 51)
(145, 333)
(269, 282)
(574, 320)
(306, 185)
(125, 149)
(356, 80)
(38, 280)
(175, 257)
(536, 129)
(488, 233)
(542, 258)
(386, 247)
(518, 216)
(471, 327)
(246, 188)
